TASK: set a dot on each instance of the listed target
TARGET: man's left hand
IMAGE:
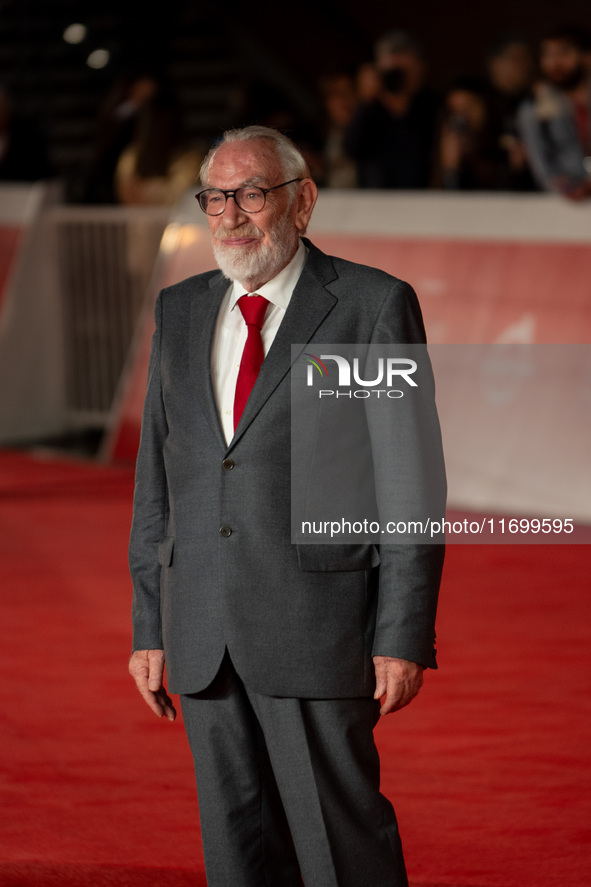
(397, 682)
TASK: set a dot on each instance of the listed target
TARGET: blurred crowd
(141, 157)
(523, 123)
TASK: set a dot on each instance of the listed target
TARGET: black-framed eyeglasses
(250, 198)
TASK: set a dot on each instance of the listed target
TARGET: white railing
(69, 308)
(105, 261)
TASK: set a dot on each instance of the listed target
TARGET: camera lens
(394, 80)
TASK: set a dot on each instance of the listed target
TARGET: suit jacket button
(225, 532)
(228, 464)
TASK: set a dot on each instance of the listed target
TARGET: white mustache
(244, 231)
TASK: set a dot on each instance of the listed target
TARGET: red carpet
(489, 770)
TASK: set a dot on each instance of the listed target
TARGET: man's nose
(232, 214)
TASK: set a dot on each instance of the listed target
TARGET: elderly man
(281, 652)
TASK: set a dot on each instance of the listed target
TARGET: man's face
(512, 69)
(407, 62)
(469, 106)
(562, 63)
(253, 247)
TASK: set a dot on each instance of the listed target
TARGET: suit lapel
(204, 312)
(309, 305)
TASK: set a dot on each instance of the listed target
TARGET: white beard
(261, 263)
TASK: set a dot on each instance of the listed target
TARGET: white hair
(290, 158)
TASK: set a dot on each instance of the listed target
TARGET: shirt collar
(278, 291)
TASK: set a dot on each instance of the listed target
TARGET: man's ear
(305, 202)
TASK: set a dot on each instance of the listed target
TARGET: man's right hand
(147, 669)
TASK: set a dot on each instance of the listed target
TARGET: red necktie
(253, 310)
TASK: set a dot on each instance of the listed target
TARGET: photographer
(391, 135)
(470, 156)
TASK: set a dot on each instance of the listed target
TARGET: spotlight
(75, 33)
(98, 58)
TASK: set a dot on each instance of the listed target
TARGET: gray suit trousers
(289, 790)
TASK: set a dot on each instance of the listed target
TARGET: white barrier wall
(72, 284)
(31, 339)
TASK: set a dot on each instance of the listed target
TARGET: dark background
(230, 63)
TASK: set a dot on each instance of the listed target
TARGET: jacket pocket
(165, 550)
(329, 558)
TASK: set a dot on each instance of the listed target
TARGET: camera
(394, 80)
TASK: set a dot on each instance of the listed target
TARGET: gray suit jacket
(298, 620)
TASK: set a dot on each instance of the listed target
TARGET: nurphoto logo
(387, 371)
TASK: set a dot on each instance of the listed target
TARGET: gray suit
(211, 555)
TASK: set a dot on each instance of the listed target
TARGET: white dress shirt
(230, 333)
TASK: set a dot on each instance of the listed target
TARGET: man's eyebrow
(254, 180)
(258, 181)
